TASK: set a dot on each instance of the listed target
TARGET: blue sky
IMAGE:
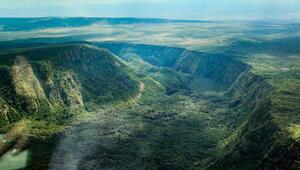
(181, 9)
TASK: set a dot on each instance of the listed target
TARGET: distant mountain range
(19, 24)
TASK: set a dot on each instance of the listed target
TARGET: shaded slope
(271, 135)
(217, 70)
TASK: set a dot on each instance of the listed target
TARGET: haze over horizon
(172, 9)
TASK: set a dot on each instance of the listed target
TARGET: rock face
(3, 113)
(248, 91)
(45, 81)
(26, 85)
(221, 70)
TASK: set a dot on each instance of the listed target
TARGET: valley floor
(173, 132)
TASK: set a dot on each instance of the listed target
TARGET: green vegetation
(295, 131)
(283, 74)
(153, 107)
(269, 135)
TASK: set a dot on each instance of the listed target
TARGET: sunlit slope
(53, 82)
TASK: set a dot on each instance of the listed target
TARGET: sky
(173, 9)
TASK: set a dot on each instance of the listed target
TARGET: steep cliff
(55, 81)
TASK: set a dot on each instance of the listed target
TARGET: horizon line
(158, 18)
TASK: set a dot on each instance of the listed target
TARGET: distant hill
(19, 24)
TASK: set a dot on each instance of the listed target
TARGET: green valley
(88, 102)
